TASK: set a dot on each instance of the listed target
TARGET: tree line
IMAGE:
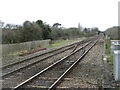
(39, 30)
(113, 33)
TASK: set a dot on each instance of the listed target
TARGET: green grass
(108, 49)
(15, 54)
(58, 43)
(61, 42)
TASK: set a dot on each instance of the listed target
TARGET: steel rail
(6, 66)
(16, 70)
(6, 74)
(58, 81)
(46, 69)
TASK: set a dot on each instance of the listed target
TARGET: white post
(117, 65)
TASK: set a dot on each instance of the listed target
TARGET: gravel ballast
(90, 72)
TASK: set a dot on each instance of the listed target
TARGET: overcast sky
(89, 13)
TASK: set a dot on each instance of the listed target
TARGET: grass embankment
(54, 44)
(58, 43)
(61, 42)
(108, 49)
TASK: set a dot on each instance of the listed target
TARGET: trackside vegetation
(61, 42)
(108, 49)
(39, 30)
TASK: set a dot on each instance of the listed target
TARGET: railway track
(27, 63)
(35, 56)
(19, 65)
(51, 76)
(30, 66)
(29, 58)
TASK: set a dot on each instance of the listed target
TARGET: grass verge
(58, 43)
(108, 49)
(61, 42)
